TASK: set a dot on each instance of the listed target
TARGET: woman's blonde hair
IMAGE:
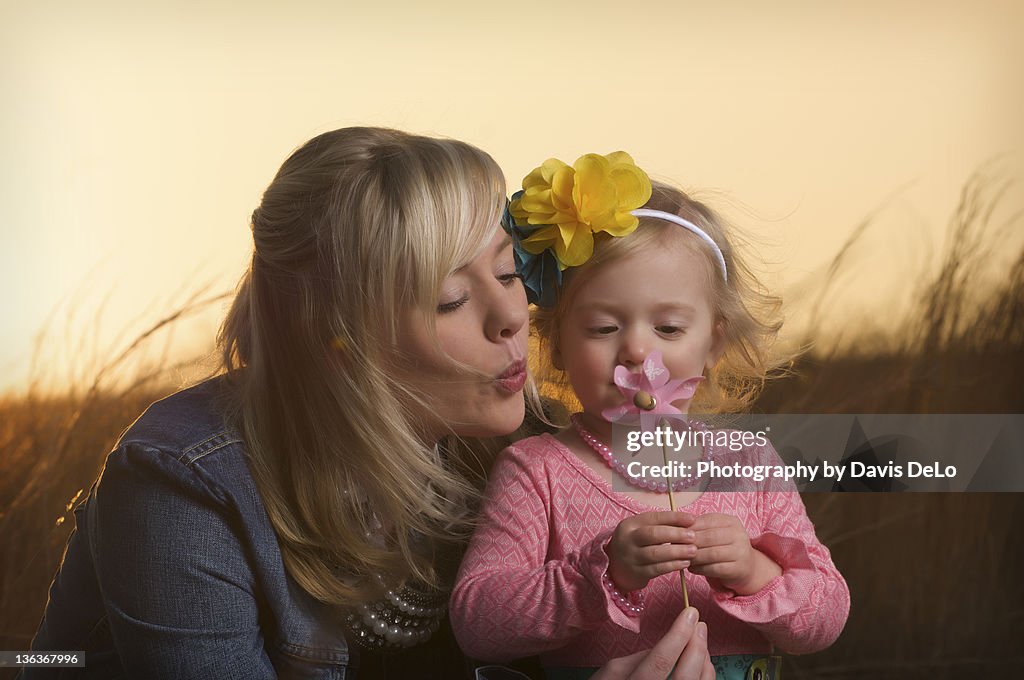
(358, 225)
(748, 317)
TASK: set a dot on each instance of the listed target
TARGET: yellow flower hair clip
(554, 218)
(596, 194)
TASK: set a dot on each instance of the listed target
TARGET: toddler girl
(576, 555)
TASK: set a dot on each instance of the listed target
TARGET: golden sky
(138, 137)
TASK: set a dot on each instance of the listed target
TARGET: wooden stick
(672, 506)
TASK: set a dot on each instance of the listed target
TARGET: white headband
(686, 224)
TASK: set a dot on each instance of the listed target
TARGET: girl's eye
(670, 330)
(448, 307)
(603, 330)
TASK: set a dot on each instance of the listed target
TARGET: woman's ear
(717, 345)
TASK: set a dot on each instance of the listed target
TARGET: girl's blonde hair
(748, 317)
(358, 225)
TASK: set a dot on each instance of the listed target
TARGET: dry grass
(52, 447)
(959, 349)
(933, 576)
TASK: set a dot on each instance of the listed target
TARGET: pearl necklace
(617, 466)
(405, 618)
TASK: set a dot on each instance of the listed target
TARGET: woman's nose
(509, 313)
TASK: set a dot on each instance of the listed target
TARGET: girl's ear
(717, 345)
(556, 357)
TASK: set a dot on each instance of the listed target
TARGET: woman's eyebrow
(501, 245)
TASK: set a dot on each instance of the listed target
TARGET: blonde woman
(301, 515)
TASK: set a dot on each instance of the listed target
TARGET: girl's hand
(648, 545)
(724, 553)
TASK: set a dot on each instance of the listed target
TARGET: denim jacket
(173, 570)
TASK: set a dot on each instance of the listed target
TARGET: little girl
(568, 564)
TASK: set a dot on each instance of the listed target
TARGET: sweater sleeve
(804, 609)
(509, 599)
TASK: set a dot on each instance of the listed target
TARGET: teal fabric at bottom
(727, 667)
(747, 667)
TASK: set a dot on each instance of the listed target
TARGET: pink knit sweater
(531, 580)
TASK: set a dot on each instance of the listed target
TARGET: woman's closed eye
(448, 307)
(508, 280)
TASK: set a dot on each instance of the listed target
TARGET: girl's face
(653, 299)
(481, 322)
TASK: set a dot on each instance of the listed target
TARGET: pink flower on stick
(649, 392)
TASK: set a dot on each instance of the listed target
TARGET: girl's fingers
(665, 553)
(707, 538)
(660, 533)
(657, 570)
(724, 571)
(714, 555)
(666, 517)
(713, 520)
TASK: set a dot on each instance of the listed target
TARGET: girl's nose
(633, 350)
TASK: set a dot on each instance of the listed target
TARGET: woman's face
(481, 322)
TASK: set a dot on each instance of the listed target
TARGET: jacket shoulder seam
(207, 446)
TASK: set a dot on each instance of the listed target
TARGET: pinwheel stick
(672, 505)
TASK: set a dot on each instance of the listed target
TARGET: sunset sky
(138, 137)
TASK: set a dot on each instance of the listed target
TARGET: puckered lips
(513, 378)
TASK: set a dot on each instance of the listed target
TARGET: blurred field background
(934, 578)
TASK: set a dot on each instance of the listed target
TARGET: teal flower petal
(540, 273)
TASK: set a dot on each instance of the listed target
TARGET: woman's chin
(503, 420)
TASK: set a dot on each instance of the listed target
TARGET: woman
(300, 515)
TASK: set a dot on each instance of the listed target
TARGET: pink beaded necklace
(618, 467)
